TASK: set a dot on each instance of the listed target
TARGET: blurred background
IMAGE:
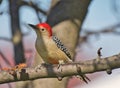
(100, 28)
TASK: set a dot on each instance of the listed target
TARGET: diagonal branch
(111, 29)
(34, 6)
(52, 71)
(6, 39)
(4, 58)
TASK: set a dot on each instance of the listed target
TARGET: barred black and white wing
(61, 46)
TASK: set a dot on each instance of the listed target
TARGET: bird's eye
(42, 29)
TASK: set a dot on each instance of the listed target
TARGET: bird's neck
(43, 38)
(42, 44)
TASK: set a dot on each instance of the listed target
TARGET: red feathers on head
(45, 25)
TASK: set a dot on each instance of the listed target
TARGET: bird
(49, 47)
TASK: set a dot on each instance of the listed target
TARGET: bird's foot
(42, 65)
(59, 65)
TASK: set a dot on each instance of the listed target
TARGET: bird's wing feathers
(61, 46)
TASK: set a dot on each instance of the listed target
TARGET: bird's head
(42, 29)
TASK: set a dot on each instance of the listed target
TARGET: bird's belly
(52, 56)
(50, 53)
(45, 54)
(52, 61)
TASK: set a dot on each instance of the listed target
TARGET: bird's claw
(59, 68)
(59, 65)
(42, 65)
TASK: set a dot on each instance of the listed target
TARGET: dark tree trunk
(16, 32)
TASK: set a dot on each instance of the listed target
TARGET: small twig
(6, 39)
(31, 4)
(99, 52)
(82, 76)
(111, 29)
(109, 71)
(4, 58)
(26, 34)
(1, 13)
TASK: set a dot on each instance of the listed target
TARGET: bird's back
(61, 46)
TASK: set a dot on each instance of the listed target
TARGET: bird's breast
(49, 52)
(46, 48)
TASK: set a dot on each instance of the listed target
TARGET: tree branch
(6, 39)
(52, 71)
(34, 6)
(111, 29)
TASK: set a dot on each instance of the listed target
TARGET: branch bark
(70, 69)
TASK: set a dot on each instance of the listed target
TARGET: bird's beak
(33, 26)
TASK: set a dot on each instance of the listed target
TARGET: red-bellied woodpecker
(49, 47)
